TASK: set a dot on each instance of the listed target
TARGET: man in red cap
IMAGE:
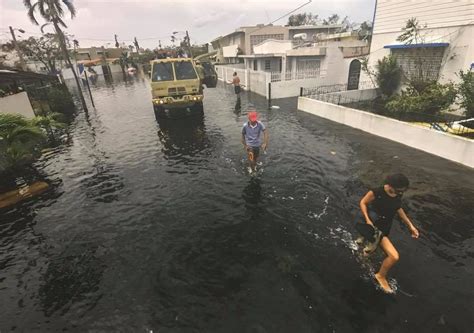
(254, 136)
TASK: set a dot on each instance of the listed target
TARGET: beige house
(244, 39)
(98, 53)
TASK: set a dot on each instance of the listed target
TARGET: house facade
(287, 61)
(244, 40)
(445, 42)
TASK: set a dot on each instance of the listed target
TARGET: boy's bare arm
(409, 224)
(366, 200)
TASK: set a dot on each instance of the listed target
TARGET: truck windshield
(162, 71)
(184, 70)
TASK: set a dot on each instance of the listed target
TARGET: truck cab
(175, 86)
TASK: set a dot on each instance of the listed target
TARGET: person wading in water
(254, 136)
(379, 207)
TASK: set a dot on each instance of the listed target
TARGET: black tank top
(385, 205)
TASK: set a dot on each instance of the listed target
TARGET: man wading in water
(236, 84)
(252, 133)
(379, 207)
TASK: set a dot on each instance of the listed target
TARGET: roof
(412, 46)
(171, 60)
(265, 55)
(319, 27)
(12, 75)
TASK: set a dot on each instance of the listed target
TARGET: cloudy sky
(97, 21)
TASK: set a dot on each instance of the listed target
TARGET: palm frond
(31, 13)
(61, 22)
(26, 133)
(44, 26)
(27, 3)
(70, 7)
(43, 10)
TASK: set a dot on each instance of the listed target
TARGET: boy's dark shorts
(380, 222)
(255, 151)
(237, 89)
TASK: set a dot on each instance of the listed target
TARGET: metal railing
(314, 92)
(296, 75)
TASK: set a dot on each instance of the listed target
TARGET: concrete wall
(350, 95)
(291, 88)
(17, 104)
(456, 149)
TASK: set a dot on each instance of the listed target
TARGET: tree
(466, 92)
(388, 75)
(20, 141)
(411, 32)
(53, 12)
(365, 31)
(302, 19)
(50, 123)
(44, 49)
(345, 23)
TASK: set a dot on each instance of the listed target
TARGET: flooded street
(154, 225)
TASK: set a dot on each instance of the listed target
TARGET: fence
(365, 99)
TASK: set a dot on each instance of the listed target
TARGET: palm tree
(50, 123)
(52, 12)
(20, 140)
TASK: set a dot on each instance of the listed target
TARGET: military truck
(176, 87)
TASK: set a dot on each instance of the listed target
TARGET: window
(184, 70)
(267, 65)
(162, 71)
(255, 65)
(307, 68)
(420, 63)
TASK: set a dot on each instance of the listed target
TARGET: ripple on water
(155, 224)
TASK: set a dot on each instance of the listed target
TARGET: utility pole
(17, 48)
(189, 44)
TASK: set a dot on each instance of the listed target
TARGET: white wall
(444, 145)
(447, 21)
(17, 104)
(272, 46)
(291, 88)
(230, 51)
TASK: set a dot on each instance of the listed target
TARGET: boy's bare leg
(389, 261)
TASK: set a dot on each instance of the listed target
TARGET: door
(354, 75)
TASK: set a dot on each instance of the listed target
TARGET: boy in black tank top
(379, 207)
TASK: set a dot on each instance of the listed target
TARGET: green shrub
(60, 100)
(466, 92)
(388, 75)
(432, 99)
(20, 141)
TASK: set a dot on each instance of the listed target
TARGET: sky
(150, 21)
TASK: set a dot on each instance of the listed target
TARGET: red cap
(252, 116)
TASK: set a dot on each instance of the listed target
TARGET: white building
(336, 61)
(447, 37)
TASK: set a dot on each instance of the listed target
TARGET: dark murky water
(157, 226)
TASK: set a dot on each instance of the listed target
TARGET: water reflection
(182, 138)
(238, 106)
(252, 194)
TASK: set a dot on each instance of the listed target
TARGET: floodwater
(157, 226)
